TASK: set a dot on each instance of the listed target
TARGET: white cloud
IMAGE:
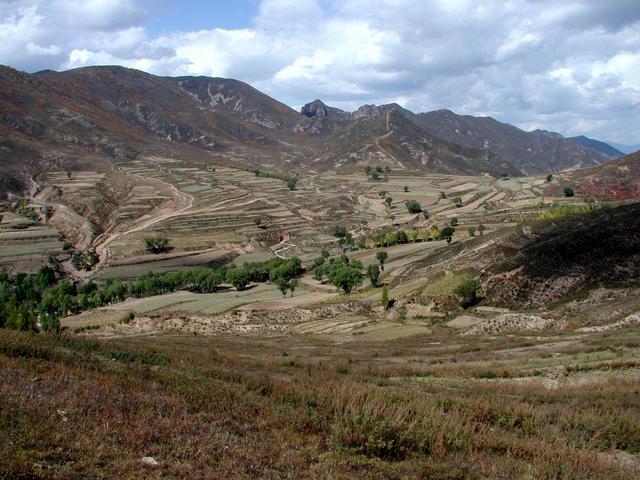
(572, 67)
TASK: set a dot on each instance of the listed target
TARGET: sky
(570, 66)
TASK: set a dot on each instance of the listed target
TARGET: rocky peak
(366, 111)
(318, 109)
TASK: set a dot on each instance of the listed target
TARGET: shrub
(413, 206)
(157, 244)
(569, 192)
(468, 292)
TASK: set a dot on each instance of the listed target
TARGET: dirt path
(182, 199)
(285, 246)
(382, 137)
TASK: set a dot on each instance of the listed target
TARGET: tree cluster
(341, 272)
(43, 298)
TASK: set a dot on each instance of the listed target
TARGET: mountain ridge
(106, 114)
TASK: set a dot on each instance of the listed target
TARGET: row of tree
(32, 302)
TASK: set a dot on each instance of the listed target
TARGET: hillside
(532, 152)
(602, 147)
(94, 117)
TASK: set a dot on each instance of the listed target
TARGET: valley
(193, 272)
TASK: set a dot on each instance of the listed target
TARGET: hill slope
(532, 152)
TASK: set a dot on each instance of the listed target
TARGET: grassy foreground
(242, 408)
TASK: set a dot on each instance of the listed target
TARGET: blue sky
(571, 66)
(190, 15)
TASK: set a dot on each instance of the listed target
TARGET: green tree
(402, 237)
(549, 178)
(156, 244)
(367, 169)
(291, 182)
(384, 299)
(454, 222)
(447, 233)
(373, 272)
(481, 229)
(238, 277)
(405, 188)
(388, 201)
(293, 283)
(413, 206)
(457, 201)
(375, 175)
(468, 292)
(382, 256)
(472, 231)
(569, 192)
(346, 278)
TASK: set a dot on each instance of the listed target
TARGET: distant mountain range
(625, 148)
(598, 146)
(97, 116)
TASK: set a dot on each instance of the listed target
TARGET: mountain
(625, 148)
(532, 152)
(598, 146)
(93, 117)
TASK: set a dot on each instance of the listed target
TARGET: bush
(569, 192)
(413, 206)
(157, 244)
(468, 293)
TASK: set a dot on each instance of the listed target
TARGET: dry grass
(298, 407)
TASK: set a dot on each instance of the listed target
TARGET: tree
(382, 256)
(367, 169)
(382, 193)
(346, 277)
(481, 229)
(373, 272)
(375, 175)
(384, 299)
(238, 277)
(283, 285)
(257, 221)
(339, 231)
(447, 233)
(413, 206)
(405, 188)
(468, 292)
(549, 178)
(291, 182)
(443, 195)
(569, 192)
(293, 283)
(415, 236)
(457, 201)
(388, 201)
(454, 222)
(157, 244)
(402, 237)
(387, 169)
(472, 231)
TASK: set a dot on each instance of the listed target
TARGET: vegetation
(381, 257)
(84, 260)
(340, 272)
(25, 299)
(413, 206)
(158, 244)
(373, 272)
(447, 233)
(569, 192)
(468, 293)
(289, 180)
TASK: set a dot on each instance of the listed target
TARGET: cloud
(572, 67)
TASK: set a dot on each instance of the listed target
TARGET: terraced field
(25, 245)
